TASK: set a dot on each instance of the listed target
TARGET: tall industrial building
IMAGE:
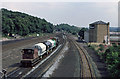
(99, 32)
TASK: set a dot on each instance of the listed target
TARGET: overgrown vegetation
(111, 56)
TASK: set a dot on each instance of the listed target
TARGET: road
(67, 60)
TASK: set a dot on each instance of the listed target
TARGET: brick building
(99, 32)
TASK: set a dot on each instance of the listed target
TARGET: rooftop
(99, 22)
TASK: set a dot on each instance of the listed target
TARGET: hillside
(67, 28)
(23, 24)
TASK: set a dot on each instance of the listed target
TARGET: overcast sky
(73, 13)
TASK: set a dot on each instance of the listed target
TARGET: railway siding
(88, 68)
(11, 53)
(40, 69)
(93, 66)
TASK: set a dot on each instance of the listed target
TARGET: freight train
(33, 55)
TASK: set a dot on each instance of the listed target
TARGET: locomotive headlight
(29, 50)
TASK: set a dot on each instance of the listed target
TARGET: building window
(92, 27)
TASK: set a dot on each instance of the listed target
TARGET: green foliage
(101, 47)
(114, 45)
(67, 28)
(23, 24)
(112, 58)
(92, 46)
(81, 32)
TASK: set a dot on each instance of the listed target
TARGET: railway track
(11, 54)
(87, 70)
(86, 67)
(23, 72)
(43, 67)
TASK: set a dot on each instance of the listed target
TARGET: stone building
(99, 32)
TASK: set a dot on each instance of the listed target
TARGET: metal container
(41, 48)
(48, 44)
(51, 42)
(54, 42)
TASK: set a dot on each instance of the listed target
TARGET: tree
(67, 28)
(81, 32)
(23, 24)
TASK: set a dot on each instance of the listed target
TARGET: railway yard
(69, 59)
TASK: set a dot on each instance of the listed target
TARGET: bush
(101, 47)
(112, 58)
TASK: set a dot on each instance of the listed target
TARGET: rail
(87, 69)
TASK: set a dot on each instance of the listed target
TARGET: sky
(74, 13)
